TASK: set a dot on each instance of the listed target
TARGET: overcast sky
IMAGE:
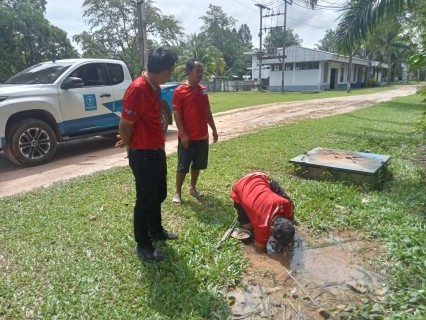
(309, 24)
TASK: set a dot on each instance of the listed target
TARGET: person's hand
(119, 144)
(184, 141)
(258, 248)
(215, 136)
(253, 249)
(287, 248)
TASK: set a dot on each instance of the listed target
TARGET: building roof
(302, 54)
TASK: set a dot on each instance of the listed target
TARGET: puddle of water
(329, 270)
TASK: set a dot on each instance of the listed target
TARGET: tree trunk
(348, 89)
(389, 69)
(408, 75)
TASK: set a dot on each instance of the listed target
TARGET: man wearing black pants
(141, 132)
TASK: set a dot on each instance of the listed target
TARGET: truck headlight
(2, 98)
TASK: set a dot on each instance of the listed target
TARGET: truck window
(91, 74)
(42, 73)
(116, 72)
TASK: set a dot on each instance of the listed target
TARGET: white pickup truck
(63, 100)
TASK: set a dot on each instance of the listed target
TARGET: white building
(310, 69)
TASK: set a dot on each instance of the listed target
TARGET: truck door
(86, 109)
(119, 85)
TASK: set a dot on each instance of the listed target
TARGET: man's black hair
(283, 231)
(191, 63)
(160, 59)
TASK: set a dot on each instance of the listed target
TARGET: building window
(307, 65)
(342, 74)
(279, 67)
(355, 71)
(325, 75)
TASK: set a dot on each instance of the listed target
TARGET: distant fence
(225, 85)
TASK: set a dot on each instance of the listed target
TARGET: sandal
(177, 201)
(197, 195)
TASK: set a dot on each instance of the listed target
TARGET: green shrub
(421, 90)
(371, 82)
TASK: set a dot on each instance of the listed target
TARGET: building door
(359, 76)
(333, 78)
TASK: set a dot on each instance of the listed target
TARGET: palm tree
(361, 17)
(199, 46)
(385, 45)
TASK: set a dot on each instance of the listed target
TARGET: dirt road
(74, 159)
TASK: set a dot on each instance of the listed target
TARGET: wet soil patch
(318, 279)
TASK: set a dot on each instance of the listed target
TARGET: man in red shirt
(141, 132)
(264, 207)
(191, 109)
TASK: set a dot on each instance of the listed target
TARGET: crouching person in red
(264, 207)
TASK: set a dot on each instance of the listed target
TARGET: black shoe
(149, 253)
(164, 236)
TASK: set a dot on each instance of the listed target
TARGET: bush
(371, 82)
(421, 90)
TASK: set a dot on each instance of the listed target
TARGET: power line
(306, 24)
(270, 3)
(246, 6)
(266, 4)
(332, 6)
(304, 14)
(310, 32)
(307, 15)
(294, 2)
(295, 30)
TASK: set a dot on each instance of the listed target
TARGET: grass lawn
(224, 101)
(65, 251)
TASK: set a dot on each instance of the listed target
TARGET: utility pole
(284, 35)
(261, 6)
(143, 47)
(285, 24)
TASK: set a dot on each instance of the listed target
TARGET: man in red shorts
(191, 109)
(141, 132)
(264, 207)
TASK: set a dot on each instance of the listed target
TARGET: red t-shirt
(141, 103)
(193, 105)
(261, 204)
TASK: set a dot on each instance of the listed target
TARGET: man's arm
(179, 124)
(260, 248)
(125, 128)
(212, 125)
(133, 105)
(177, 103)
(276, 188)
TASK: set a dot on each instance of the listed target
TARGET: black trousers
(149, 168)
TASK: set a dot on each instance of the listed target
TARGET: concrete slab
(360, 168)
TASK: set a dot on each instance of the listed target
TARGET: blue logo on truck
(90, 102)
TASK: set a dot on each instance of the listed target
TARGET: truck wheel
(30, 142)
(164, 120)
